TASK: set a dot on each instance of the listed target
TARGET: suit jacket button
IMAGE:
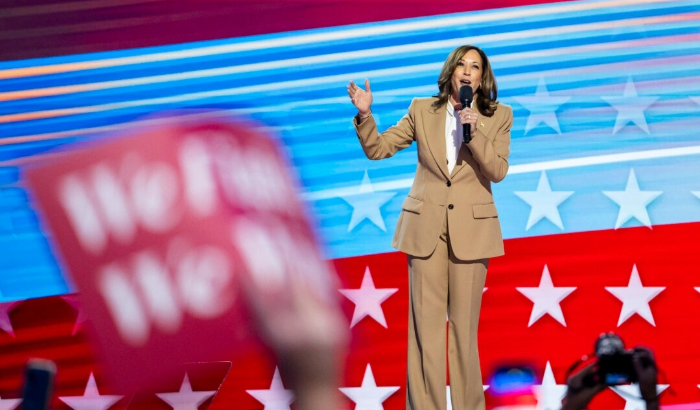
(449, 183)
(450, 206)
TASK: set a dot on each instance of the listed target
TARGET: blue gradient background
(295, 83)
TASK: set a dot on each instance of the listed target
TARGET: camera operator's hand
(581, 388)
(645, 366)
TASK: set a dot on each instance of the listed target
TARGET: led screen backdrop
(600, 210)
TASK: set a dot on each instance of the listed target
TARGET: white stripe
(601, 71)
(522, 169)
(573, 53)
(224, 115)
(564, 54)
(567, 75)
(286, 85)
(369, 31)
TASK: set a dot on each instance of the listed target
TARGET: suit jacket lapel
(434, 130)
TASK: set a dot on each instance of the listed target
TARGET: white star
(542, 107)
(368, 396)
(696, 193)
(5, 322)
(91, 399)
(368, 300)
(276, 397)
(9, 404)
(630, 107)
(544, 202)
(633, 202)
(75, 304)
(635, 298)
(549, 394)
(630, 392)
(449, 397)
(366, 204)
(546, 299)
(186, 399)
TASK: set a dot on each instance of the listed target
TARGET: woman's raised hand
(361, 99)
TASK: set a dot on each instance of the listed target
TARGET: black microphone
(466, 94)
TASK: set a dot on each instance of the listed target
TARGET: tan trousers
(440, 285)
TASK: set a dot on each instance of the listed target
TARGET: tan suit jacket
(465, 194)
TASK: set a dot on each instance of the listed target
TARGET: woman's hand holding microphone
(469, 116)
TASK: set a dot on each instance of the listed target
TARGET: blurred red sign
(164, 233)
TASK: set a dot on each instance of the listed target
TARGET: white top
(453, 137)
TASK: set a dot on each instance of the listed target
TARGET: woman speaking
(448, 224)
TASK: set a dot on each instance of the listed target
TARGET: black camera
(615, 363)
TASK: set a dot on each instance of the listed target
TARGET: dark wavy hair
(488, 90)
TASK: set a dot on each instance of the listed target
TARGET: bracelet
(365, 117)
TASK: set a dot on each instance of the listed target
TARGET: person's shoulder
(425, 100)
(503, 114)
(423, 103)
(503, 109)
